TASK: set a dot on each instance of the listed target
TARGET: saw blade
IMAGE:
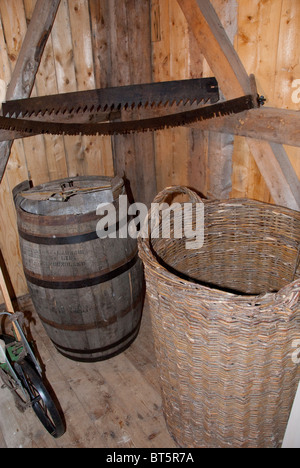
(118, 98)
(31, 127)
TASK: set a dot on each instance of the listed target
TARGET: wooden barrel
(87, 291)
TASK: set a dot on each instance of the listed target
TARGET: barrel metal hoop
(103, 348)
(101, 324)
(77, 355)
(67, 239)
(56, 240)
(82, 282)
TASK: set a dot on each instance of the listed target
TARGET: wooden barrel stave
(94, 327)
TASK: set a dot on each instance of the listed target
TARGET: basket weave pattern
(224, 357)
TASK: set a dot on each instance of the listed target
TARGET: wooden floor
(111, 404)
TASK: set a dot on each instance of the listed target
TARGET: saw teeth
(167, 121)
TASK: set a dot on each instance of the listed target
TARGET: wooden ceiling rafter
(272, 160)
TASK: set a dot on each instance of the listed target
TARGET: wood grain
(233, 79)
(113, 404)
(266, 40)
(28, 59)
(216, 47)
(267, 123)
(267, 45)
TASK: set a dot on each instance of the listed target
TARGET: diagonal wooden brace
(222, 58)
(27, 65)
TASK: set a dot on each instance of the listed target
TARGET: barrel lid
(70, 196)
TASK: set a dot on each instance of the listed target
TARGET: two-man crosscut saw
(95, 112)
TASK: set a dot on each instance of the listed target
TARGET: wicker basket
(225, 319)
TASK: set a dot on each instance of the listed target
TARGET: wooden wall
(98, 43)
(268, 42)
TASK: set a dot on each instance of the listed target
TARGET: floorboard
(111, 404)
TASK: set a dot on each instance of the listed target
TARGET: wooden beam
(122, 28)
(217, 48)
(278, 172)
(231, 75)
(8, 303)
(267, 123)
(24, 74)
(5, 148)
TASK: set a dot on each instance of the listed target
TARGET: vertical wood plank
(198, 174)
(179, 70)
(22, 80)
(14, 24)
(288, 67)
(161, 72)
(29, 7)
(247, 180)
(34, 147)
(100, 28)
(179, 153)
(220, 149)
(27, 59)
(9, 242)
(198, 162)
(100, 31)
(233, 78)
(16, 170)
(139, 41)
(121, 38)
(54, 144)
(123, 145)
(130, 50)
(170, 56)
(66, 81)
(267, 46)
(94, 148)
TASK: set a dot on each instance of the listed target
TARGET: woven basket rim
(289, 295)
(252, 202)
